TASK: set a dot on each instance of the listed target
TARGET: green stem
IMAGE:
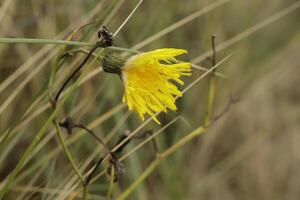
(41, 41)
(55, 41)
(84, 192)
(212, 84)
(210, 100)
(111, 183)
(70, 158)
(66, 151)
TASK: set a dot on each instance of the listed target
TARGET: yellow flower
(149, 81)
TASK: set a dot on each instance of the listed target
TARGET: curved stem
(90, 176)
(94, 135)
(66, 151)
(74, 73)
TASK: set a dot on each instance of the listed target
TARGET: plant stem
(212, 85)
(210, 100)
(56, 42)
(111, 183)
(74, 73)
(41, 41)
(70, 158)
(66, 151)
(84, 192)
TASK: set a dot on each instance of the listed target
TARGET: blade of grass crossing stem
(158, 159)
(66, 151)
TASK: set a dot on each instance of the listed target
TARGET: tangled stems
(105, 40)
(69, 125)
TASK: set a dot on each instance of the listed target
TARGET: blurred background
(251, 152)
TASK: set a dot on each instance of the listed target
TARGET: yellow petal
(148, 81)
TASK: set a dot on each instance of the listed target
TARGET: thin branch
(227, 107)
(90, 176)
(105, 40)
(212, 85)
(66, 151)
(94, 135)
(70, 125)
(214, 56)
(73, 74)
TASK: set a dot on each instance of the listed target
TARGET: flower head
(149, 81)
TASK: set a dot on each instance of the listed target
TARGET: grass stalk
(152, 166)
(212, 85)
(111, 183)
(7, 40)
(67, 152)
